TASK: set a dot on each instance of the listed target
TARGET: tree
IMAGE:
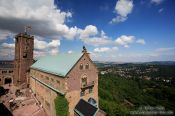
(61, 106)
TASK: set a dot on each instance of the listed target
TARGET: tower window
(26, 48)
(16, 40)
(25, 55)
(10, 71)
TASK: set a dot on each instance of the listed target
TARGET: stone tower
(24, 45)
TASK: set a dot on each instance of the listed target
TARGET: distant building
(6, 72)
(72, 75)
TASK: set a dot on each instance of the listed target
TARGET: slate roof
(4, 111)
(84, 108)
(59, 64)
(6, 64)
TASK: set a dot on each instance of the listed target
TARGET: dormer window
(81, 66)
(87, 66)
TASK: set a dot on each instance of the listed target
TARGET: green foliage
(118, 96)
(61, 106)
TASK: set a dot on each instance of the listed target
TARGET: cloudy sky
(111, 30)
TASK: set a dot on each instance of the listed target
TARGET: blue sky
(112, 30)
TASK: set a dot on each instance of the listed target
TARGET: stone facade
(76, 89)
(80, 83)
(24, 45)
(6, 72)
(43, 93)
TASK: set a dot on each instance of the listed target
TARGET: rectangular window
(58, 82)
(10, 71)
(90, 90)
(87, 66)
(52, 79)
(48, 105)
(84, 82)
(41, 76)
(25, 55)
(47, 78)
(81, 66)
(82, 93)
(4, 71)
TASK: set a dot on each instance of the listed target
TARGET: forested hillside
(119, 96)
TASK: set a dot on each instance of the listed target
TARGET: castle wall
(45, 95)
(6, 71)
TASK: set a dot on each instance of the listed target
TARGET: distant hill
(161, 62)
(106, 64)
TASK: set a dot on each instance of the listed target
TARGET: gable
(84, 60)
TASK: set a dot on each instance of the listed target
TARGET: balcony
(88, 85)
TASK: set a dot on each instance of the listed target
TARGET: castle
(73, 76)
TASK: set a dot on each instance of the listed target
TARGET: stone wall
(24, 46)
(6, 73)
(44, 94)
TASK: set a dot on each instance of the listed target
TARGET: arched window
(87, 66)
(83, 81)
(81, 66)
(92, 101)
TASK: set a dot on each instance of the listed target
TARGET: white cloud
(50, 22)
(40, 45)
(97, 40)
(123, 8)
(43, 47)
(89, 30)
(156, 1)
(125, 40)
(164, 49)
(70, 51)
(45, 20)
(4, 34)
(42, 16)
(7, 45)
(105, 49)
(54, 51)
(54, 44)
(140, 41)
(7, 51)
